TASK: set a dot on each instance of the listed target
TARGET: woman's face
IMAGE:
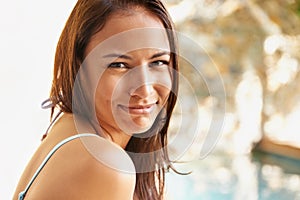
(130, 59)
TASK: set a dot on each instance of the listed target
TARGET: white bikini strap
(23, 193)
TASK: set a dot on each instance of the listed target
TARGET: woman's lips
(139, 109)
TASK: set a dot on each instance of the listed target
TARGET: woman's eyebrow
(115, 55)
(160, 54)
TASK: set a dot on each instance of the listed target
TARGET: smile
(139, 109)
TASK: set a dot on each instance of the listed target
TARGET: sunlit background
(255, 46)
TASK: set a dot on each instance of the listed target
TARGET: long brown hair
(86, 19)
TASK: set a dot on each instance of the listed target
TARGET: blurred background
(252, 46)
(255, 45)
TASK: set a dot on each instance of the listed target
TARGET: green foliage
(297, 7)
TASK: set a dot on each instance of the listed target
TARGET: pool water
(220, 176)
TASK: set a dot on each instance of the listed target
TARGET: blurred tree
(262, 37)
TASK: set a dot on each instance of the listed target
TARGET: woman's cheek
(105, 88)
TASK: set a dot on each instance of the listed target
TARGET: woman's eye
(159, 63)
(117, 65)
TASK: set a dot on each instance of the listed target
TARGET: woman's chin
(138, 125)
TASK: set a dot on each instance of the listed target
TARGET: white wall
(29, 31)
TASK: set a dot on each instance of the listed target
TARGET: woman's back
(73, 172)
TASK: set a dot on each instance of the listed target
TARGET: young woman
(114, 87)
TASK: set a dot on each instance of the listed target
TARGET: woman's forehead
(126, 33)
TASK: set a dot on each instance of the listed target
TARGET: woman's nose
(143, 83)
(142, 91)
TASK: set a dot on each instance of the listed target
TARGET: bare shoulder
(86, 168)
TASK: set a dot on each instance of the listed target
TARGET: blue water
(220, 176)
